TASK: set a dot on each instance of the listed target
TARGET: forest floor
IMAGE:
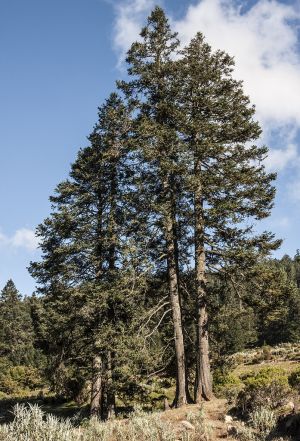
(214, 417)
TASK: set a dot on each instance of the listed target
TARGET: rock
(187, 425)
(232, 430)
(289, 424)
(291, 406)
(166, 404)
(228, 419)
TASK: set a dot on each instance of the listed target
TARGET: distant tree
(297, 267)
(16, 332)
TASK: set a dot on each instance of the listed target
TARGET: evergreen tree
(225, 176)
(82, 242)
(168, 191)
(16, 332)
(155, 134)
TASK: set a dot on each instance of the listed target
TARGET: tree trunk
(96, 392)
(203, 383)
(111, 402)
(181, 387)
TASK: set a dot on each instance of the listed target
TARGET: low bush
(264, 421)
(227, 386)
(31, 424)
(294, 380)
(261, 426)
(266, 353)
(202, 430)
(19, 380)
(268, 387)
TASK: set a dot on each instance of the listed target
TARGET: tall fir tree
(151, 72)
(82, 242)
(225, 176)
(171, 180)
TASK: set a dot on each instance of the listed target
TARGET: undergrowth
(32, 424)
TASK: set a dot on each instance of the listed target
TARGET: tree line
(265, 310)
(151, 242)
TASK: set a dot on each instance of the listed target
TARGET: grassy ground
(288, 366)
(49, 405)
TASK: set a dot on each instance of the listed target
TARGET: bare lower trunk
(111, 402)
(180, 398)
(203, 383)
(96, 392)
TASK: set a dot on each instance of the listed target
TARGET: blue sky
(59, 60)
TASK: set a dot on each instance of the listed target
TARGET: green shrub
(264, 421)
(246, 434)
(268, 387)
(294, 380)
(261, 425)
(202, 429)
(227, 386)
(266, 352)
(18, 380)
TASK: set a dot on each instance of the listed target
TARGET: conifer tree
(81, 243)
(16, 333)
(225, 177)
(156, 138)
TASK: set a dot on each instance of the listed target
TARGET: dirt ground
(214, 413)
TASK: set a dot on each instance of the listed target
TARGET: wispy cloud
(264, 42)
(278, 159)
(130, 16)
(283, 222)
(294, 190)
(22, 238)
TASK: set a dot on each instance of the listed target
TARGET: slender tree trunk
(181, 387)
(203, 383)
(111, 402)
(112, 266)
(96, 392)
(112, 234)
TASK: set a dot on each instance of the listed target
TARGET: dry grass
(31, 424)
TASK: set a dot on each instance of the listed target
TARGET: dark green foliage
(16, 331)
(267, 388)
(274, 297)
(263, 304)
(217, 120)
(161, 204)
(92, 275)
(18, 380)
(294, 380)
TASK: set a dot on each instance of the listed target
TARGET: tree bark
(181, 386)
(203, 383)
(96, 392)
(111, 401)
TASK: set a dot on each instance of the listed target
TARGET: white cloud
(130, 16)
(22, 238)
(265, 44)
(294, 190)
(281, 222)
(279, 159)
